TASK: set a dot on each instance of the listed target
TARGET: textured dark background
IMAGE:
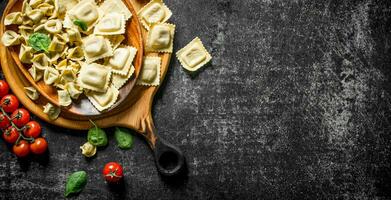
(296, 105)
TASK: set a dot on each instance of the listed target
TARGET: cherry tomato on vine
(39, 146)
(4, 88)
(22, 149)
(10, 135)
(113, 172)
(33, 129)
(20, 117)
(9, 103)
(4, 121)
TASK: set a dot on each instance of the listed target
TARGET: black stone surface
(295, 105)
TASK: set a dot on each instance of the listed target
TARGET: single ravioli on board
(194, 55)
(150, 73)
(109, 6)
(154, 12)
(160, 38)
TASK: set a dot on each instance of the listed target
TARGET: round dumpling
(53, 26)
(10, 38)
(13, 18)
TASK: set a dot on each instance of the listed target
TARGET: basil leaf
(124, 138)
(80, 24)
(97, 136)
(39, 41)
(75, 183)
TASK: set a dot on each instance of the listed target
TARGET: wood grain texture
(82, 108)
(134, 111)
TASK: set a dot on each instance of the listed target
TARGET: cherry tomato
(9, 103)
(22, 149)
(33, 129)
(20, 117)
(113, 172)
(39, 146)
(4, 88)
(4, 121)
(10, 135)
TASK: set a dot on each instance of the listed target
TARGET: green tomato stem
(20, 130)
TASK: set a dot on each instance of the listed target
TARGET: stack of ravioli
(85, 54)
(154, 16)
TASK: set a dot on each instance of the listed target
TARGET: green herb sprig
(39, 41)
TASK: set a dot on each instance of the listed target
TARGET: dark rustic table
(295, 105)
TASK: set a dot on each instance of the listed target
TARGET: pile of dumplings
(86, 53)
(89, 57)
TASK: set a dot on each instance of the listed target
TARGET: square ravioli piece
(116, 6)
(86, 11)
(160, 38)
(96, 47)
(150, 72)
(122, 60)
(111, 24)
(103, 100)
(154, 12)
(94, 77)
(194, 55)
(119, 80)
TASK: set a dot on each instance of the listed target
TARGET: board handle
(169, 159)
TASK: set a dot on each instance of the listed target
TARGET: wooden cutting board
(134, 114)
(83, 108)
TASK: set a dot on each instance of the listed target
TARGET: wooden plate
(134, 112)
(83, 108)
